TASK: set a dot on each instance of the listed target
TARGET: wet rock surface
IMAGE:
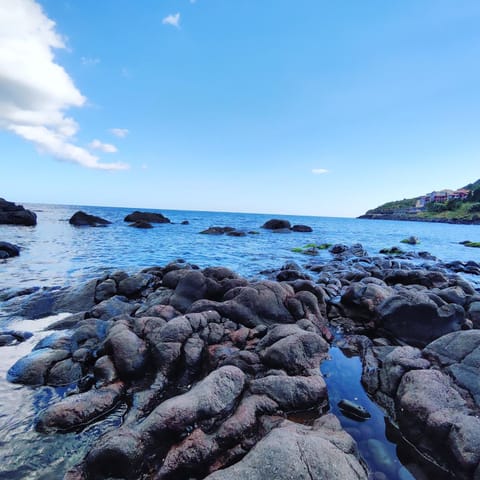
(209, 365)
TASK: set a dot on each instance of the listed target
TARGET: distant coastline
(461, 206)
(415, 218)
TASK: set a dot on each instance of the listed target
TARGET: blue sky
(278, 106)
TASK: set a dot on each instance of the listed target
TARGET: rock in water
(11, 214)
(81, 219)
(149, 217)
(351, 409)
(301, 228)
(8, 250)
(276, 224)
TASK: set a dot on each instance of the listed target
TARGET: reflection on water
(386, 453)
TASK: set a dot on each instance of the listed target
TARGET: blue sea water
(54, 253)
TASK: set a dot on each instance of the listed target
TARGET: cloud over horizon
(173, 19)
(35, 91)
(319, 171)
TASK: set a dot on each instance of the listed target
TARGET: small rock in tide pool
(353, 410)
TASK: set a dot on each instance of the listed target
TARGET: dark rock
(82, 219)
(474, 313)
(132, 286)
(128, 351)
(459, 354)
(411, 240)
(33, 368)
(105, 290)
(417, 320)
(256, 304)
(149, 217)
(352, 409)
(113, 307)
(276, 224)
(78, 410)
(214, 396)
(11, 214)
(185, 222)
(294, 451)
(141, 224)
(217, 230)
(236, 233)
(293, 349)
(293, 393)
(8, 250)
(191, 287)
(301, 228)
(64, 372)
(104, 371)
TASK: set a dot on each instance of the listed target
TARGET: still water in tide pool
(56, 254)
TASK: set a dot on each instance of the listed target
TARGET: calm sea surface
(56, 254)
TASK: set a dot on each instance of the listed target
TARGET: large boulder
(82, 219)
(294, 451)
(293, 393)
(11, 214)
(262, 303)
(149, 217)
(8, 250)
(417, 320)
(277, 224)
(215, 396)
(459, 354)
(33, 368)
(293, 349)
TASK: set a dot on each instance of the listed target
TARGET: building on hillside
(442, 196)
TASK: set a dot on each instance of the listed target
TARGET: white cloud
(35, 91)
(319, 171)
(173, 20)
(89, 61)
(119, 132)
(104, 147)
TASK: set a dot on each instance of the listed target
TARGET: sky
(308, 107)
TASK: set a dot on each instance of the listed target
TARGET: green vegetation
(395, 207)
(471, 244)
(311, 248)
(452, 211)
(410, 240)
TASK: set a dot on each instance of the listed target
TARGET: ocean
(54, 253)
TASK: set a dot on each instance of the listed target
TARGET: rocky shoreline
(414, 218)
(210, 365)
